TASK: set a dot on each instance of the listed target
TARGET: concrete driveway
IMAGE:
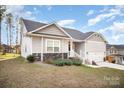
(110, 65)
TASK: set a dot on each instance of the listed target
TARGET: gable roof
(118, 47)
(32, 25)
(75, 34)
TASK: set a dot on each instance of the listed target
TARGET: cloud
(108, 14)
(68, 22)
(44, 21)
(15, 9)
(118, 26)
(116, 30)
(106, 8)
(19, 10)
(117, 37)
(90, 12)
(49, 7)
(99, 18)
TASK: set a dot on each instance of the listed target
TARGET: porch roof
(118, 47)
(116, 55)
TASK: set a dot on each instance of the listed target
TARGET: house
(17, 49)
(46, 41)
(115, 53)
(6, 48)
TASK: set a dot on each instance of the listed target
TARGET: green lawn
(9, 56)
(18, 73)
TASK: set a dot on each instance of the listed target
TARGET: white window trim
(53, 40)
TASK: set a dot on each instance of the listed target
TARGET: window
(50, 45)
(56, 46)
(53, 46)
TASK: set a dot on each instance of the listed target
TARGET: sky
(107, 20)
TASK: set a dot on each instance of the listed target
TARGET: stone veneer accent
(37, 56)
(54, 56)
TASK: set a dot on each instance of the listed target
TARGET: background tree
(20, 29)
(17, 32)
(9, 22)
(7, 35)
(2, 14)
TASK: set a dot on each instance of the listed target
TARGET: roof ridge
(34, 21)
(71, 29)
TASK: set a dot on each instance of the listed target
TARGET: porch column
(85, 54)
(71, 45)
(71, 48)
(42, 49)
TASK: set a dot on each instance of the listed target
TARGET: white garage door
(97, 57)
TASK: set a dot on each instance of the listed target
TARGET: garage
(96, 56)
(95, 48)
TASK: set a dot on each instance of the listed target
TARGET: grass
(19, 73)
(9, 56)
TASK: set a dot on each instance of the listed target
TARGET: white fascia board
(96, 33)
(40, 28)
(30, 34)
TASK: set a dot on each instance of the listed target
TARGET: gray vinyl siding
(52, 30)
(37, 44)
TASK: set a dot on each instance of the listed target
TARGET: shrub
(31, 58)
(77, 62)
(49, 61)
(59, 62)
(68, 62)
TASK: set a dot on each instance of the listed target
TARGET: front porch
(75, 50)
(66, 48)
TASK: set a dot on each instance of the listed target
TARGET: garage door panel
(94, 46)
(95, 50)
(98, 57)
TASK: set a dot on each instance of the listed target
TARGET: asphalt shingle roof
(119, 47)
(32, 25)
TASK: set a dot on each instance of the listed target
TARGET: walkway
(110, 65)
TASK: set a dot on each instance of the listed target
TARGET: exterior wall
(36, 45)
(63, 45)
(112, 51)
(95, 48)
(53, 30)
(80, 49)
(26, 46)
(54, 56)
(96, 37)
(37, 48)
(92, 46)
(118, 59)
(121, 52)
